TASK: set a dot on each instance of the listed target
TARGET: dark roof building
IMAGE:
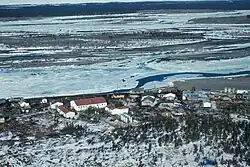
(89, 101)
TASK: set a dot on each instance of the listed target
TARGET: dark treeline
(223, 134)
(110, 8)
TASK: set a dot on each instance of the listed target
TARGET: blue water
(162, 77)
(110, 8)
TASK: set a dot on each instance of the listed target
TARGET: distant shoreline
(46, 10)
(214, 84)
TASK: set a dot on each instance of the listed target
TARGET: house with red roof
(66, 112)
(83, 104)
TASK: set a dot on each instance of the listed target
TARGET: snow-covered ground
(97, 147)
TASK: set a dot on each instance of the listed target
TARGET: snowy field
(102, 145)
(89, 54)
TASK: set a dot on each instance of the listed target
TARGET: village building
(137, 91)
(213, 105)
(2, 101)
(168, 96)
(148, 101)
(117, 96)
(242, 95)
(117, 110)
(190, 96)
(24, 104)
(134, 97)
(66, 112)
(2, 119)
(83, 104)
(246, 97)
(242, 92)
(169, 104)
(16, 99)
(194, 95)
(164, 105)
(206, 104)
(226, 98)
(229, 90)
(54, 106)
(126, 118)
(44, 101)
(167, 90)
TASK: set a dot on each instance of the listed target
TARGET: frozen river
(46, 56)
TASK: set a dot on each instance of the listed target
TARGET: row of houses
(150, 100)
(163, 99)
(80, 105)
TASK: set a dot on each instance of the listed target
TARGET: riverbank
(241, 82)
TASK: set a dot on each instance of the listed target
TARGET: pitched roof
(64, 109)
(88, 101)
(150, 98)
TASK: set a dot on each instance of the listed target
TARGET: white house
(55, 105)
(44, 101)
(126, 118)
(24, 104)
(242, 91)
(147, 101)
(117, 110)
(178, 114)
(169, 96)
(66, 112)
(83, 104)
(207, 104)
